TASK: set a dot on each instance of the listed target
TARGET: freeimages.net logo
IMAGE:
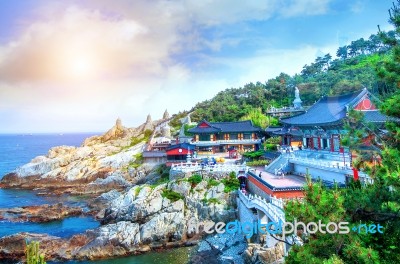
(287, 228)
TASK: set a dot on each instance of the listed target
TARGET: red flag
(341, 150)
(355, 173)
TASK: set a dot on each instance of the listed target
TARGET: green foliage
(212, 182)
(213, 201)
(147, 134)
(231, 183)
(195, 179)
(171, 195)
(138, 189)
(32, 253)
(258, 163)
(375, 203)
(186, 127)
(175, 121)
(137, 161)
(329, 205)
(270, 147)
(210, 201)
(253, 154)
(259, 119)
(273, 140)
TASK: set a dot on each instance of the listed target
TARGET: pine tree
(377, 203)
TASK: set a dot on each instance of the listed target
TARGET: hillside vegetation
(354, 67)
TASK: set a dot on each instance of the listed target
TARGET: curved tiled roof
(226, 127)
(328, 110)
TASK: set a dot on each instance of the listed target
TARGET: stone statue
(297, 101)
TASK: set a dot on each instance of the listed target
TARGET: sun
(79, 66)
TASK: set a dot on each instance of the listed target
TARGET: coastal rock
(142, 218)
(39, 213)
(220, 248)
(255, 253)
(111, 240)
(103, 160)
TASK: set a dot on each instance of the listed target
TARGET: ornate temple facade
(321, 126)
(222, 136)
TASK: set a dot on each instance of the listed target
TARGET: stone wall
(258, 189)
(175, 174)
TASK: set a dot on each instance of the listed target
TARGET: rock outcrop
(141, 219)
(101, 164)
(255, 253)
(39, 213)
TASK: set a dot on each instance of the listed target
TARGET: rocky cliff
(100, 164)
(143, 218)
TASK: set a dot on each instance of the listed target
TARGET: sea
(18, 149)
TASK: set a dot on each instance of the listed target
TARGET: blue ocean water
(16, 150)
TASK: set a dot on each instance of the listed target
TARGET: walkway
(279, 181)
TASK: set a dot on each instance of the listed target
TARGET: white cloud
(79, 68)
(304, 7)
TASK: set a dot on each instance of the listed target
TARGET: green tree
(259, 119)
(377, 203)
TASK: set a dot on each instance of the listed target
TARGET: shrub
(195, 179)
(171, 195)
(210, 201)
(32, 253)
(253, 154)
(137, 190)
(212, 182)
(137, 162)
(231, 183)
(257, 163)
(213, 201)
(269, 146)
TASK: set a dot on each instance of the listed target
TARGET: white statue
(297, 101)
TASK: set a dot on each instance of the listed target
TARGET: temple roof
(224, 127)
(181, 145)
(328, 110)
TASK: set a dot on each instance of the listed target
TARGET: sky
(78, 65)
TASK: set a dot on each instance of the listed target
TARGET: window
(233, 136)
(246, 135)
(204, 137)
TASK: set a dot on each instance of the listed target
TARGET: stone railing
(278, 202)
(322, 163)
(190, 167)
(233, 141)
(271, 210)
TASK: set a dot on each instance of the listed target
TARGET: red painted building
(221, 136)
(179, 152)
(321, 126)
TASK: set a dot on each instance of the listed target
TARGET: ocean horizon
(20, 148)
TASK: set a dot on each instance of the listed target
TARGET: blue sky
(75, 66)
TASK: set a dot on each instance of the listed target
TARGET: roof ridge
(240, 121)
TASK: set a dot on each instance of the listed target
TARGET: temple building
(181, 152)
(212, 137)
(320, 127)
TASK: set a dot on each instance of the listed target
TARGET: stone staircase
(279, 163)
